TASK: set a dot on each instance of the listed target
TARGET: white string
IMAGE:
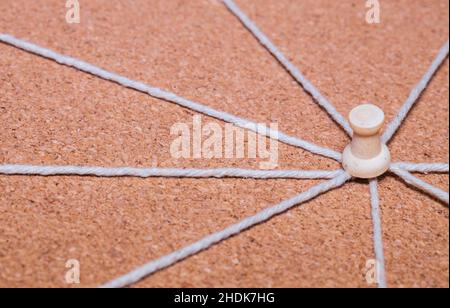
(217, 237)
(422, 167)
(294, 71)
(168, 96)
(394, 125)
(166, 172)
(418, 183)
(377, 233)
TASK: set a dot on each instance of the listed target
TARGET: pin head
(366, 119)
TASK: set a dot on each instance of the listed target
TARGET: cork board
(51, 114)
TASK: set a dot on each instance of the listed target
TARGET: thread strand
(307, 85)
(422, 167)
(395, 124)
(206, 242)
(377, 233)
(168, 96)
(166, 172)
(422, 185)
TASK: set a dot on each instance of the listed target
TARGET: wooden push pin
(366, 156)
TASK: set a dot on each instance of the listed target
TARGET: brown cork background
(51, 114)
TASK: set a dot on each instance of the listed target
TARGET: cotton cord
(166, 172)
(217, 237)
(424, 186)
(294, 71)
(168, 96)
(394, 125)
(422, 167)
(377, 233)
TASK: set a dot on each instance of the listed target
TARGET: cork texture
(51, 114)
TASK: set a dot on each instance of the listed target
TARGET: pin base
(366, 168)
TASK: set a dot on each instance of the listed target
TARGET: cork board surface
(51, 114)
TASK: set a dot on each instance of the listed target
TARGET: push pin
(366, 156)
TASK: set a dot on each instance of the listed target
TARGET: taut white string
(168, 96)
(424, 186)
(294, 71)
(217, 237)
(394, 125)
(377, 233)
(422, 167)
(166, 172)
